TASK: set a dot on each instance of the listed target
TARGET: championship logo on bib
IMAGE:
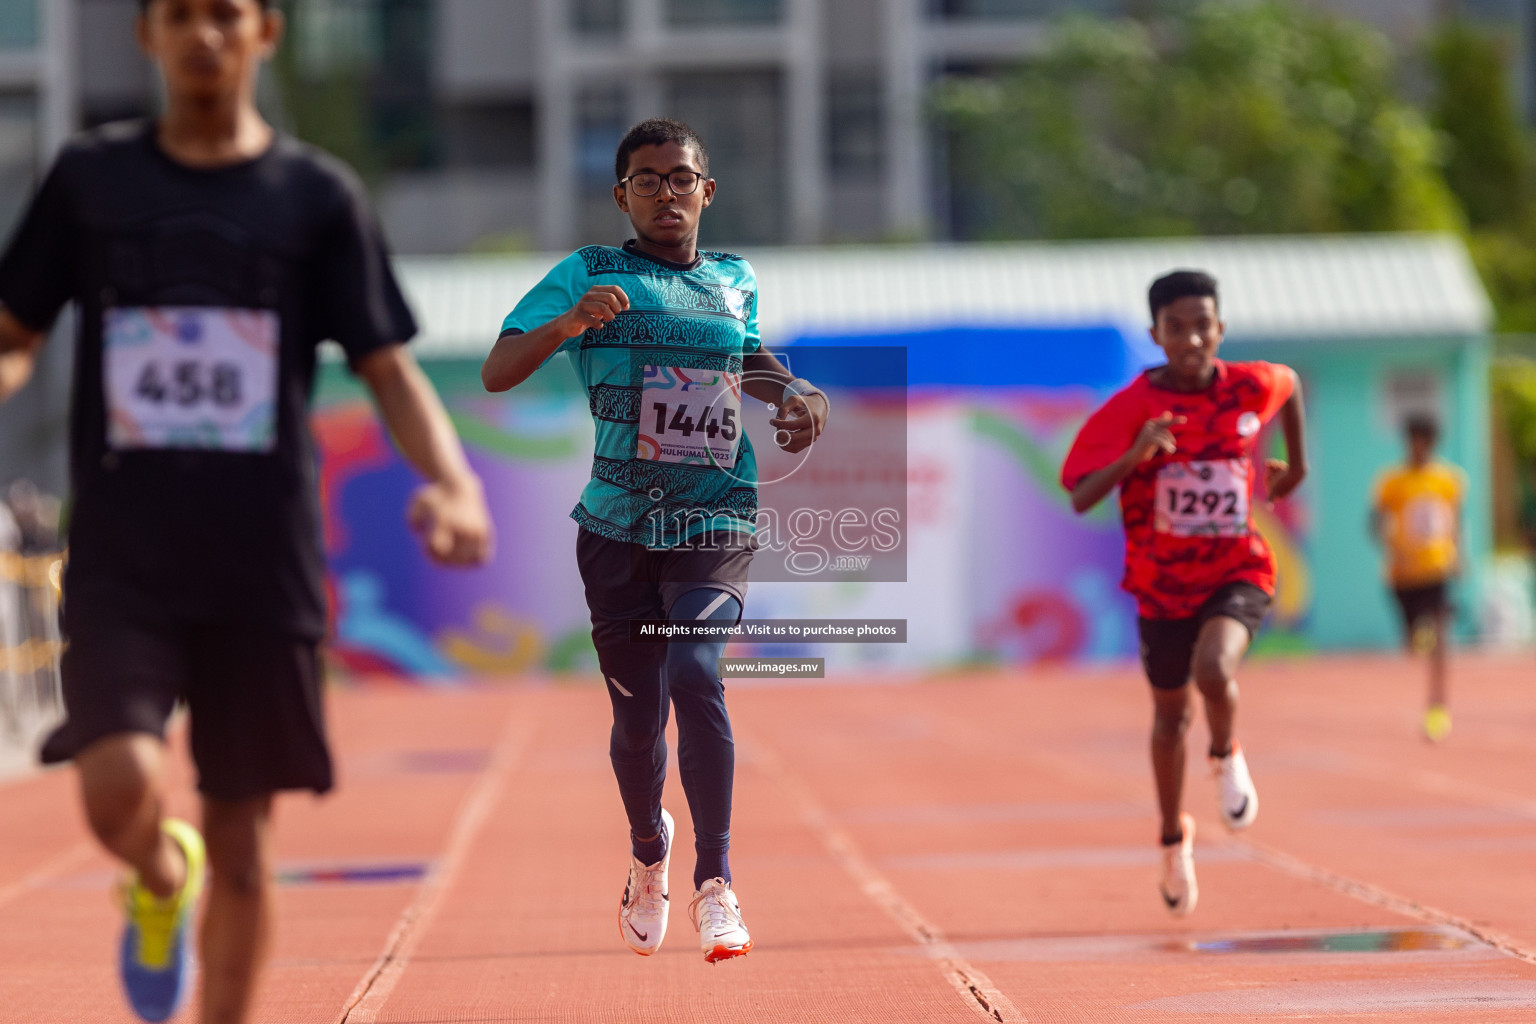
(191, 377)
(1203, 499)
(690, 415)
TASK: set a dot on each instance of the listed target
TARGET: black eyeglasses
(648, 183)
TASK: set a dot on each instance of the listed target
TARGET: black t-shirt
(202, 295)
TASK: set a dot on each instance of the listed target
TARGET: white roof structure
(1288, 287)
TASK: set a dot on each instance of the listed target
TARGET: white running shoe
(717, 916)
(1235, 795)
(1180, 890)
(643, 911)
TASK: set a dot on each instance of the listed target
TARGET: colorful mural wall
(999, 569)
(393, 611)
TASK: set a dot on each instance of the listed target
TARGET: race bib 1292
(690, 415)
(191, 377)
(1203, 499)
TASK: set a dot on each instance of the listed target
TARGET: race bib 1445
(191, 377)
(1203, 499)
(690, 415)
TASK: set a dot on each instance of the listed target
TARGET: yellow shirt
(1420, 508)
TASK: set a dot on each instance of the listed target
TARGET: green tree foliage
(324, 103)
(1488, 159)
(1514, 392)
(1220, 118)
(354, 79)
(1514, 402)
(1489, 164)
(1506, 261)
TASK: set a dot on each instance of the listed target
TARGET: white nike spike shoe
(717, 916)
(1180, 890)
(643, 911)
(1236, 797)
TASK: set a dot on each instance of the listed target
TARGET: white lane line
(1421, 780)
(373, 990)
(1438, 784)
(1365, 892)
(49, 870)
(973, 986)
(1376, 896)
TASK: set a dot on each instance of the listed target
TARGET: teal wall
(1351, 441)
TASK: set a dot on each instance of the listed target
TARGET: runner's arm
(449, 510)
(764, 378)
(1094, 487)
(514, 357)
(1284, 477)
(19, 345)
(1154, 436)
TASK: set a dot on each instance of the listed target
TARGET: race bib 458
(1203, 499)
(690, 415)
(191, 377)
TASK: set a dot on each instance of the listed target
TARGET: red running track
(949, 849)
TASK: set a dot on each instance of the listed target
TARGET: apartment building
(491, 124)
(38, 104)
(813, 111)
(37, 91)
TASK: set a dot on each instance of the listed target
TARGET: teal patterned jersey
(663, 383)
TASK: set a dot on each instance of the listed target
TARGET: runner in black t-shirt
(207, 257)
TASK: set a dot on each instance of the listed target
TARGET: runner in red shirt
(1179, 441)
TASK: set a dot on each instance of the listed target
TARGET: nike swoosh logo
(1241, 810)
(1172, 902)
(643, 936)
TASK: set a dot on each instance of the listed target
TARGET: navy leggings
(642, 680)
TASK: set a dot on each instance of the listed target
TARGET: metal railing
(30, 645)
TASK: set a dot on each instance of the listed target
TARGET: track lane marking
(1418, 779)
(46, 872)
(373, 990)
(1376, 896)
(1434, 783)
(974, 987)
(1422, 780)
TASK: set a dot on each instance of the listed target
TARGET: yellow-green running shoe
(1437, 723)
(156, 955)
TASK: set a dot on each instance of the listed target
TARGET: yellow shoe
(1437, 723)
(156, 953)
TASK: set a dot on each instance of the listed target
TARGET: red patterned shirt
(1188, 516)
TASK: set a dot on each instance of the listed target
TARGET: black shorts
(1168, 645)
(254, 696)
(1430, 601)
(627, 581)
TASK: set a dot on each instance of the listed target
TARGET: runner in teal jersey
(665, 340)
(680, 345)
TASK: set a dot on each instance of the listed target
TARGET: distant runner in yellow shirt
(1417, 516)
